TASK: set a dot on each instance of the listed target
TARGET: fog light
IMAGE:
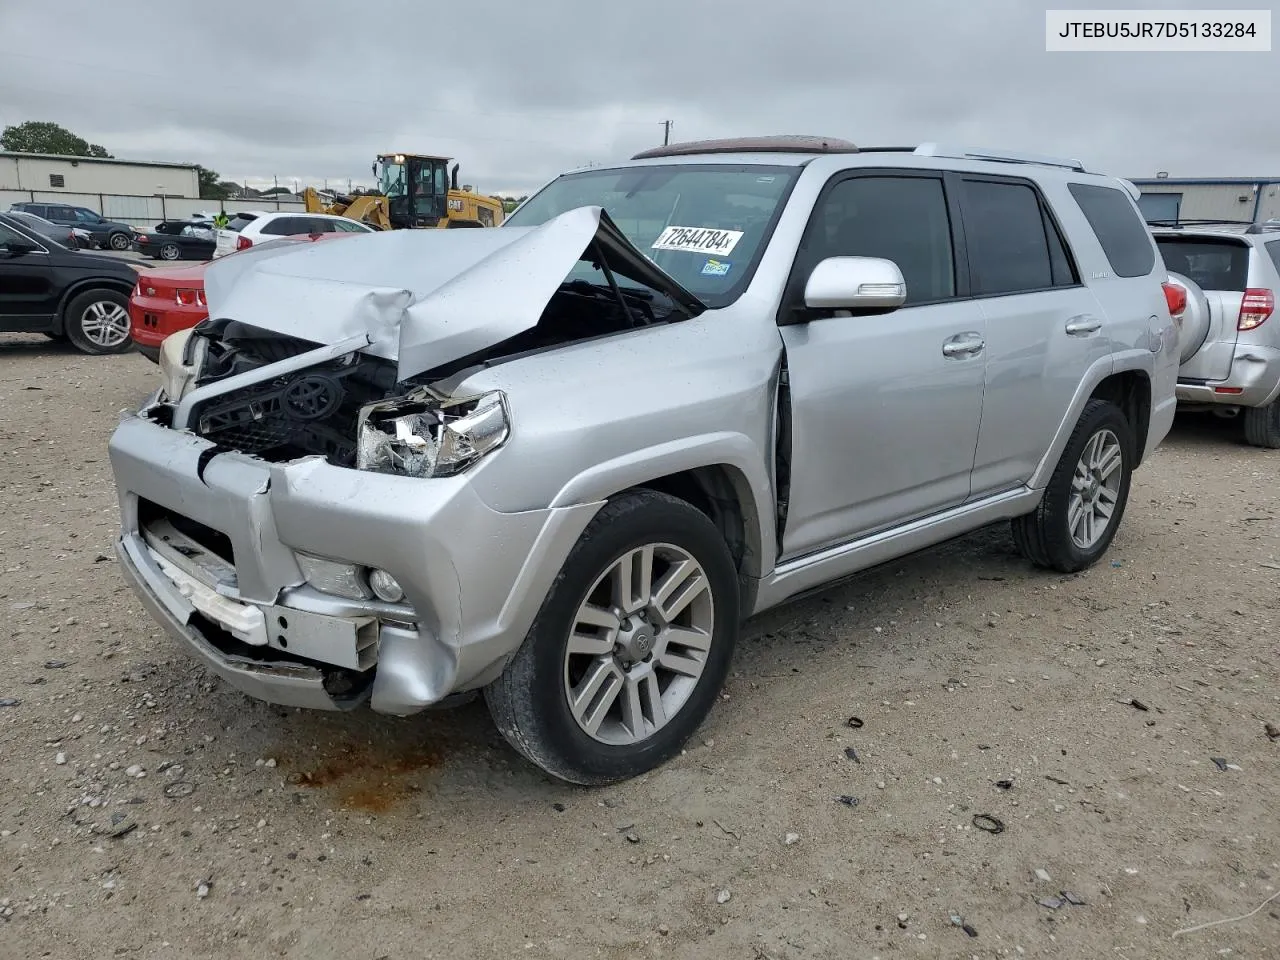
(385, 586)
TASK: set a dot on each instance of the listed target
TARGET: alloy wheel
(1095, 489)
(105, 324)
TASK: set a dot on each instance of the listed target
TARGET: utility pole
(666, 132)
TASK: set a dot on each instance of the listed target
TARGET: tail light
(1176, 297)
(1257, 305)
(185, 297)
(243, 242)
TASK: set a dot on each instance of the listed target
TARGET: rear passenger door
(884, 408)
(1044, 327)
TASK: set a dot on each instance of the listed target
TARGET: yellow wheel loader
(415, 192)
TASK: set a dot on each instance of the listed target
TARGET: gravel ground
(148, 811)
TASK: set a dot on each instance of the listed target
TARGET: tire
(1262, 426)
(92, 322)
(530, 701)
(118, 241)
(1045, 536)
(170, 251)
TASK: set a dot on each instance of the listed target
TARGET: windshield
(391, 180)
(704, 224)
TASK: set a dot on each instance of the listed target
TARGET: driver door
(26, 284)
(885, 407)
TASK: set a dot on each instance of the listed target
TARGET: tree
(211, 185)
(40, 136)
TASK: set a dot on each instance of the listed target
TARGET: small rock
(134, 771)
(1273, 732)
(55, 664)
(1074, 899)
(792, 839)
(663, 929)
(77, 718)
(852, 754)
(1043, 875)
(1220, 762)
(1004, 784)
(60, 759)
(9, 702)
(1100, 662)
(938, 781)
(632, 838)
(1053, 903)
(880, 784)
(261, 824)
(723, 897)
(847, 800)
(558, 807)
(202, 890)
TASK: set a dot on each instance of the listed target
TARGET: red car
(167, 300)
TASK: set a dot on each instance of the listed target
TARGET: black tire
(1044, 536)
(119, 241)
(170, 251)
(1262, 426)
(73, 319)
(528, 702)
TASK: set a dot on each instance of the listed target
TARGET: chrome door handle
(1083, 325)
(963, 345)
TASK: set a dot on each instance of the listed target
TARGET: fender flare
(730, 451)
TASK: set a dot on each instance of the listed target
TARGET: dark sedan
(177, 240)
(57, 232)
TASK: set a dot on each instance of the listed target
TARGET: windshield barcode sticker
(698, 240)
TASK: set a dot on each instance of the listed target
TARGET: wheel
(630, 648)
(1262, 426)
(119, 241)
(170, 251)
(97, 321)
(1086, 496)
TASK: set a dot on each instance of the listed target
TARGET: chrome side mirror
(855, 283)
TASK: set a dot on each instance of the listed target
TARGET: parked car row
(97, 229)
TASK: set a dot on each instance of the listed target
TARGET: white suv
(259, 226)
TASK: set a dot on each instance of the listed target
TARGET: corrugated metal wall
(1219, 201)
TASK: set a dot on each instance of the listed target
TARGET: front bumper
(473, 577)
(1254, 381)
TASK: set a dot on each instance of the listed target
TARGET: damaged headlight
(423, 435)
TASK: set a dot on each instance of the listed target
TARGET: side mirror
(18, 248)
(855, 283)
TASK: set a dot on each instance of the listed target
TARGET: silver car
(1230, 352)
(562, 460)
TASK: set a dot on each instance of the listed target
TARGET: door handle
(963, 345)
(1083, 325)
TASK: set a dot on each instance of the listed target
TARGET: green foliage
(40, 136)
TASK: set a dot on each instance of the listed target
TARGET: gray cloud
(519, 91)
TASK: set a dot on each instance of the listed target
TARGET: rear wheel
(97, 321)
(170, 251)
(630, 648)
(1085, 499)
(1262, 426)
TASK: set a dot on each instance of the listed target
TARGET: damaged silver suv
(562, 460)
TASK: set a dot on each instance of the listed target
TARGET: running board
(836, 563)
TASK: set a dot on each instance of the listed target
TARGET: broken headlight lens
(423, 435)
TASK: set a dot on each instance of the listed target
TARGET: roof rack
(776, 144)
(1003, 156)
(1208, 222)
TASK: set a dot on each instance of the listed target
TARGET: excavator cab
(416, 188)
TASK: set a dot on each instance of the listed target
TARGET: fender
(1120, 362)
(80, 286)
(746, 464)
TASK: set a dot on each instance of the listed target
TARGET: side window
(1012, 247)
(86, 216)
(1273, 248)
(903, 219)
(1122, 233)
(320, 225)
(349, 226)
(284, 227)
(8, 236)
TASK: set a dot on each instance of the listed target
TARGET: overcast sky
(520, 90)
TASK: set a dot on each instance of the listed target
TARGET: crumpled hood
(422, 297)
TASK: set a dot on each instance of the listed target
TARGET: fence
(144, 211)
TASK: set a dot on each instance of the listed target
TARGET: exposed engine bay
(334, 409)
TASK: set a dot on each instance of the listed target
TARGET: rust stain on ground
(367, 778)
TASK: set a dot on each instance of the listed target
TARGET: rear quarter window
(1211, 264)
(1273, 248)
(1119, 229)
(240, 221)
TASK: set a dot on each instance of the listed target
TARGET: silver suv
(1230, 353)
(562, 460)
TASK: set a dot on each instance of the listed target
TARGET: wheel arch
(1130, 390)
(83, 286)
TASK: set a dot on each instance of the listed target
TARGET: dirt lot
(148, 811)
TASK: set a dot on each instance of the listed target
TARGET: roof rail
(768, 144)
(1209, 222)
(1003, 156)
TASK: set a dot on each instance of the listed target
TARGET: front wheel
(97, 321)
(118, 241)
(630, 648)
(170, 251)
(1082, 506)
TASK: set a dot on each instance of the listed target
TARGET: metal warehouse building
(135, 192)
(1241, 199)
